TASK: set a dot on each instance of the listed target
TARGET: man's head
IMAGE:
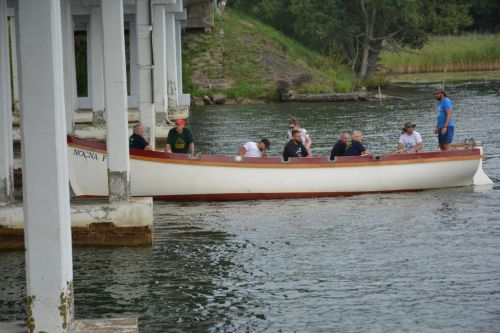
(439, 93)
(296, 136)
(408, 127)
(345, 137)
(293, 124)
(357, 136)
(263, 144)
(179, 125)
(138, 129)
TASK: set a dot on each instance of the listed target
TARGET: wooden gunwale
(399, 159)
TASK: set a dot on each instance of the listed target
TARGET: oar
(378, 157)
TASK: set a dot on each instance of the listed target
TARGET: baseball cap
(408, 124)
(439, 90)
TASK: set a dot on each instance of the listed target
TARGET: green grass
(243, 57)
(471, 52)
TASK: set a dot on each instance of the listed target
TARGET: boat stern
(480, 177)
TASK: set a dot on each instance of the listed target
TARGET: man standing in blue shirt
(445, 126)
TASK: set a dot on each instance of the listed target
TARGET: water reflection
(419, 262)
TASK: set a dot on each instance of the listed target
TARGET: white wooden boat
(182, 178)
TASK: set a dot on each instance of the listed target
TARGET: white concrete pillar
(47, 229)
(144, 66)
(172, 79)
(96, 60)
(14, 73)
(160, 60)
(184, 99)
(6, 153)
(115, 85)
(69, 64)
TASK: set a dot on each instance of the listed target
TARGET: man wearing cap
(255, 149)
(445, 126)
(180, 139)
(410, 140)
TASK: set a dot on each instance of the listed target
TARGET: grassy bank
(243, 57)
(471, 52)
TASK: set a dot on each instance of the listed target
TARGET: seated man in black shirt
(137, 141)
(339, 146)
(294, 147)
(354, 147)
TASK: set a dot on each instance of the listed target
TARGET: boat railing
(467, 144)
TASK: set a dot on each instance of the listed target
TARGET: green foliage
(354, 31)
(486, 15)
(447, 53)
(376, 81)
(252, 91)
(243, 57)
(446, 17)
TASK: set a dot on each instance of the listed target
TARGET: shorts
(447, 138)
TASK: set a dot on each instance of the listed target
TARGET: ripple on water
(417, 262)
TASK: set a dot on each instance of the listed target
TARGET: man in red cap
(180, 139)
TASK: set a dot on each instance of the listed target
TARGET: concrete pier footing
(108, 325)
(126, 223)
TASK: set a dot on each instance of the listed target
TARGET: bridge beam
(172, 78)
(96, 60)
(49, 265)
(144, 66)
(115, 85)
(6, 152)
(160, 60)
(184, 99)
(69, 63)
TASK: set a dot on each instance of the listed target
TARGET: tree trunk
(370, 17)
(364, 60)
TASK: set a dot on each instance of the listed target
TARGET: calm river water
(406, 262)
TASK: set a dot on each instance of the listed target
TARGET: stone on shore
(219, 98)
(207, 100)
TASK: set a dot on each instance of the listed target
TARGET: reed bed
(471, 52)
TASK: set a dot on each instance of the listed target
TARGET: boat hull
(177, 177)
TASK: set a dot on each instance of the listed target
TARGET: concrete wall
(200, 14)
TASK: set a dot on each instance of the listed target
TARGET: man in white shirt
(255, 149)
(410, 140)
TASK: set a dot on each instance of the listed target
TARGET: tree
(358, 30)
(393, 22)
(486, 15)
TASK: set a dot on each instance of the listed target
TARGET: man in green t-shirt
(180, 139)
